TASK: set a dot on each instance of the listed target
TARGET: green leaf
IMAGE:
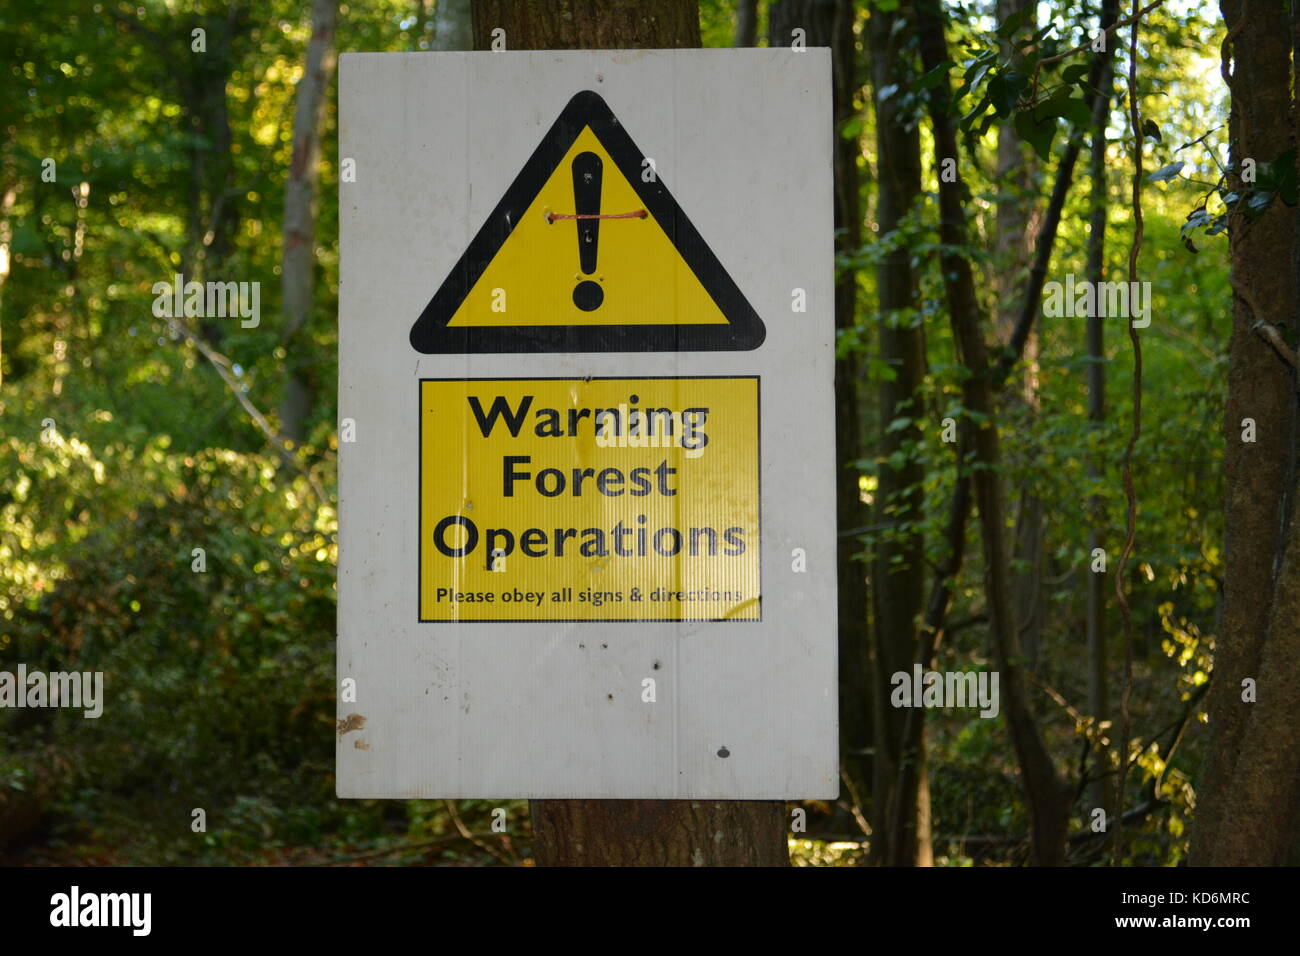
(1016, 21)
(936, 76)
(1038, 134)
(1259, 201)
(1076, 110)
(1074, 74)
(1279, 176)
(1005, 90)
(1166, 173)
(974, 114)
(1036, 38)
(975, 72)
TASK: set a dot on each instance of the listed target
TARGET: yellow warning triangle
(587, 252)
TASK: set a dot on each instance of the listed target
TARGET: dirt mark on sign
(350, 723)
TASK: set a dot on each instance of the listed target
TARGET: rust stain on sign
(350, 723)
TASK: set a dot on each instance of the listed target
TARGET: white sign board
(586, 348)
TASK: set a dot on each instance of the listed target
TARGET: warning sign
(614, 499)
(587, 252)
(587, 536)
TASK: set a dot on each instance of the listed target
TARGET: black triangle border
(432, 336)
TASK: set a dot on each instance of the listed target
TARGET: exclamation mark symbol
(586, 196)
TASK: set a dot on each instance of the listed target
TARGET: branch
(222, 365)
(135, 26)
(218, 208)
(1029, 306)
(465, 832)
(1274, 338)
(1176, 737)
(1265, 329)
(1053, 693)
(1088, 43)
(966, 622)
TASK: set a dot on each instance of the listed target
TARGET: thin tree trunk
(6, 239)
(1099, 792)
(1250, 767)
(421, 23)
(1016, 226)
(746, 23)
(453, 25)
(631, 832)
(214, 207)
(1045, 797)
(298, 265)
(900, 798)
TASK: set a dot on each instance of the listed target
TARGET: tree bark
(421, 23)
(1016, 225)
(213, 194)
(631, 832)
(746, 23)
(1246, 801)
(298, 263)
(588, 24)
(900, 796)
(1100, 791)
(1045, 797)
(453, 25)
(829, 23)
(659, 833)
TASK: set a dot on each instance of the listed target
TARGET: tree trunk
(588, 24)
(829, 23)
(746, 23)
(213, 195)
(453, 25)
(6, 238)
(900, 795)
(1246, 802)
(1045, 797)
(421, 24)
(1100, 792)
(659, 832)
(1016, 225)
(298, 265)
(631, 832)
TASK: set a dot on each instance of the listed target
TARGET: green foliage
(234, 661)
(1051, 449)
